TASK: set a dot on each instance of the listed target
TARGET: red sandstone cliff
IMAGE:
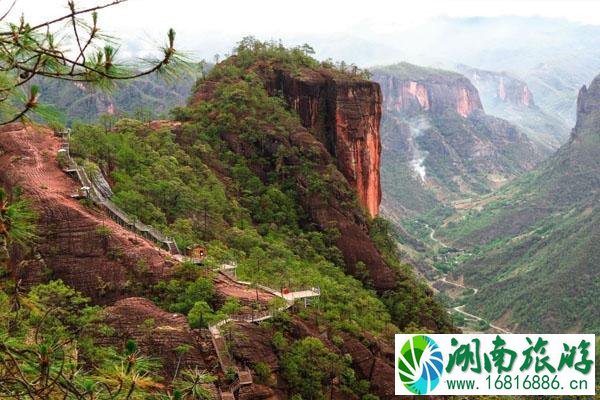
(433, 93)
(345, 115)
(333, 209)
(499, 86)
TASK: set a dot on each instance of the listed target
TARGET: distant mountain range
(555, 57)
(438, 142)
(510, 98)
(535, 242)
(148, 97)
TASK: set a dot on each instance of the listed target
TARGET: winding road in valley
(432, 237)
(460, 309)
(443, 279)
(475, 317)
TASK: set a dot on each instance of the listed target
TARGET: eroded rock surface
(159, 334)
(79, 244)
(345, 115)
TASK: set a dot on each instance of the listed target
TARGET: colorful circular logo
(420, 364)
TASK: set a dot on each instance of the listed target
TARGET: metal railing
(115, 213)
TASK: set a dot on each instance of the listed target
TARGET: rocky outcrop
(77, 243)
(373, 363)
(509, 98)
(499, 86)
(334, 208)
(438, 142)
(250, 344)
(328, 212)
(588, 108)
(158, 334)
(345, 115)
(429, 90)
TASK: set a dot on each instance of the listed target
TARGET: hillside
(248, 175)
(438, 142)
(538, 236)
(145, 98)
(510, 98)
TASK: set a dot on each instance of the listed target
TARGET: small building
(196, 253)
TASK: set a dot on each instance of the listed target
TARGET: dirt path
(459, 309)
(443, 279)
(436, 240)
(228, 287)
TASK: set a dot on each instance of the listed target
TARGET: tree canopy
(71, 47)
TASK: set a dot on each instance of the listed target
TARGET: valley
(263, 226)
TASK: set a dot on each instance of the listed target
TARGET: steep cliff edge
(78, 244)
(439, 144)
(410, 89)
(588, 110)
(329, 208)
(508, 97)
(344, 114)
(499, 85)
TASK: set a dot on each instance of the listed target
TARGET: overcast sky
(214, 26)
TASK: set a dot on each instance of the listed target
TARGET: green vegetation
(84, 55)
(227, 177)
(147, 98)
(50, 347)
(537, 236)
(243, 205)
(413, 72)
(309, 367)
(51, 336)
(252, 53)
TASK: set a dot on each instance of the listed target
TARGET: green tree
(200, 315)
(45, 50)
(308, 367)
(17, 224)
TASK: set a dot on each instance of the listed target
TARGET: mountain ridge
(539, 234)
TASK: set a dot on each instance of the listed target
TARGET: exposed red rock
(159, 334)
(500, 86)
(257, 392)
(434, 95)
(345, 115)
(330, 210)
(251, 344)
(226, 287)
(104, 266)
(371, 365)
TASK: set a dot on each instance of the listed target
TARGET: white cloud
(214, 26)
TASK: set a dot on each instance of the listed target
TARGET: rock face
(565, 188)
(588, 108)
(413, 93)
(158, 334)
(251, 344)
(438, 142)
(78, 244)
(509, 98)
(345, 115)
(333, 209)
(372, 363)
(500, 86)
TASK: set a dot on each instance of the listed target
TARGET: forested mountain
(257, 170)
(535, 241)
(146, 98)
